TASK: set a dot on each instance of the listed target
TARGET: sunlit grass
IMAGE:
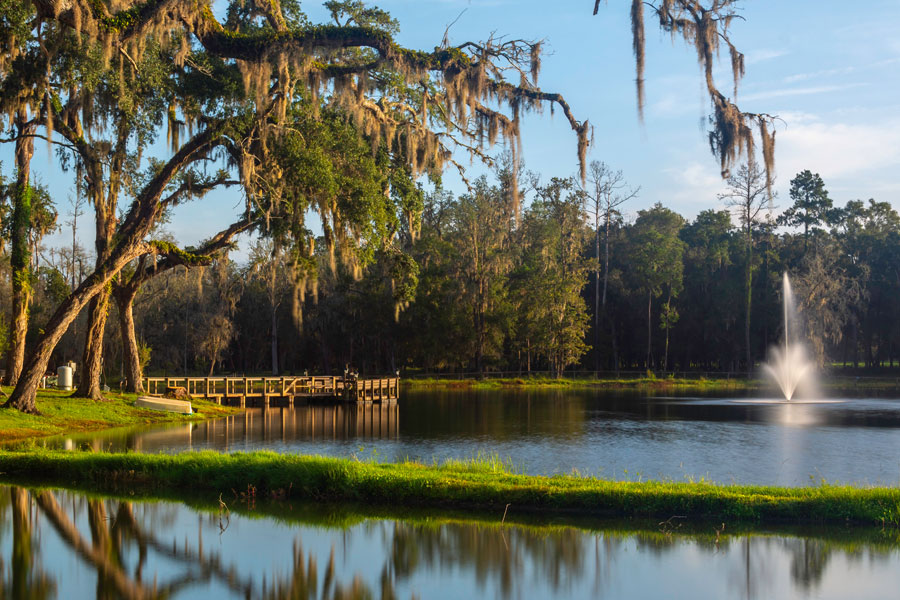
(478, 483)
(62, 413)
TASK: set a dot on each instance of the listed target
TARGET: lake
(621, 435)
(63, 544)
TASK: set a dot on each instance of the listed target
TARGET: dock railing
(221, 389)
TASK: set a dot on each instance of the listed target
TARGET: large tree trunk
(98, 310)
(20, 259)
(124, 297)
(144, 212)
(23, 397)
(92, 359)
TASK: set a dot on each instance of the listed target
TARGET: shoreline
(62, 414)
(540, 382)
(724, 384)
(452, 485)
(342, 515)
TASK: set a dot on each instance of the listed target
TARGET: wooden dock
(265, 391)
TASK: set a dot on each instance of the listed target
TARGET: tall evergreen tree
(811, 207)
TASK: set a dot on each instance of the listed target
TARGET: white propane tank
(64, 377)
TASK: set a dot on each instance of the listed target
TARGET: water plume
(788, 366)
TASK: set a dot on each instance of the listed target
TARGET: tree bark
(23, 397)
(20, 259)
(92, 358)
(124, 297)
(106, 220)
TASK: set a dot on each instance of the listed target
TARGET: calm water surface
(57, 544)
(621, 436)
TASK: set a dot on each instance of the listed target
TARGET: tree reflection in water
(24, 578)
(136, 552)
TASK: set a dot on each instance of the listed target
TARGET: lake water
(613, 435)
(60, 544)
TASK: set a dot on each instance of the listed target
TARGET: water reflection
(254, 428)
(622, 435)
(63, 544)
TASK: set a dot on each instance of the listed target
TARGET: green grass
(61, 413)
(579, 383)
(457, 485)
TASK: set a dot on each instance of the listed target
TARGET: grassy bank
(702, 384)
(484, 485)
(61, 413)
(497, 520)
(498, 383)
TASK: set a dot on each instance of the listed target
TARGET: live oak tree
(826, 297)
(427, 103)
(20, 100)
(390, 93)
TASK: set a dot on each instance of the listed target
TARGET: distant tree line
(479, 283)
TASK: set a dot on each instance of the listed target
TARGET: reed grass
(457, 485)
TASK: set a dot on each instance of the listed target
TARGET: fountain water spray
(788, 366)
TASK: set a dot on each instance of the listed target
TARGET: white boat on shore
(167, 404)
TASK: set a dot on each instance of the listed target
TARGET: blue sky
(827, 69)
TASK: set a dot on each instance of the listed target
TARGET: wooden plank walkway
(265, 390)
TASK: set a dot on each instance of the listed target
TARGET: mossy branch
(178, 255)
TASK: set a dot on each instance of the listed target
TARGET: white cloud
(837, 149)
(856, 160)
(800, 91)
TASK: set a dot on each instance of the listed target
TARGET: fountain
(788, 366)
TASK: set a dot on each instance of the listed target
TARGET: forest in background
(561, 282)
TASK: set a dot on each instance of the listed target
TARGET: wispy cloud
(801, 91)
(764, 54)
(818, 74)
(837, 72)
